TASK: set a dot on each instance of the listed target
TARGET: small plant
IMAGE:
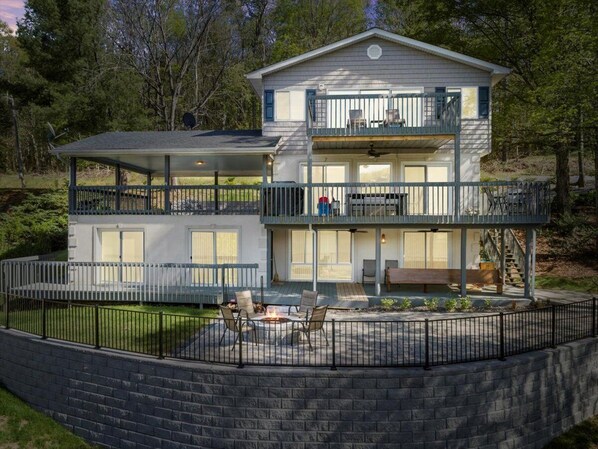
(465, 303)
(406, 304)
(487, 303)
(513, 305)
(431, 304)
(450, 305)
(387, 303)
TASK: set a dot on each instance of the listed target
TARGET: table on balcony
(376, 204)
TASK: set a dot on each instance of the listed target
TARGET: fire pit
(275, 319)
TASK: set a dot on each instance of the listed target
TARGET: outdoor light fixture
(270, 162)
(199, 162)
(383, 238)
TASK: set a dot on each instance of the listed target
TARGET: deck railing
(384, 114)
(417, 203)
(355, 343)
(169, 200)
(142, 282)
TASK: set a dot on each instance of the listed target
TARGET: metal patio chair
(234, 324)
(315, 323)
(309, 300)
(245, 304)
(368, 270)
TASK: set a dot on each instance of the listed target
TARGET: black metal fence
(377, 343)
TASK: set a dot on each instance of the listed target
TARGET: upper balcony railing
(282, 203)
(384, 114)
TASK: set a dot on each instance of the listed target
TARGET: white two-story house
(369, 156)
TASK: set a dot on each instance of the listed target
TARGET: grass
(582, 436)
(23, 427)
(587, 284)
(127, 328)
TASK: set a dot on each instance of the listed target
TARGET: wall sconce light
(383, 239)
(199, 162)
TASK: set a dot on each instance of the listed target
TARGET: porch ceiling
(359, 144)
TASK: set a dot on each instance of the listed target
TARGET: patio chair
(309, 300)
(245, 304)
(393, 118)
(234, 324)
(496, 203)
(356, 119)
(368, 270)
(315, 323)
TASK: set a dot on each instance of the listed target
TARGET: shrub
(487, 303)
(450, 305)
(431, 304)
(406, 304)
(465, 303)
(387, 303)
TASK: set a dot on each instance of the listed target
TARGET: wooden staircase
(514, 273)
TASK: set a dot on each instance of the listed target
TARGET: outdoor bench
(441, 276)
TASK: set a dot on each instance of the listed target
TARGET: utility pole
(15, 122)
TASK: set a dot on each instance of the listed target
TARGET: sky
(10, 11)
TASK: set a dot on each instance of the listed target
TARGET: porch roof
(231, 153)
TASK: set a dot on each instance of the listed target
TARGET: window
(374, 173)
(334, 255)
(121, 246)
(425, 249)
(326, 174)
(429, 200)
(290, 105)
(212, 247)
(469, 100)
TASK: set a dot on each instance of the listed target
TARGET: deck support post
(503, 257)
(314, 263)
(378, 260)
(457, 175)
(310, 198)
(530, 260)
(117, 180)
(269, 273)
(167, 184)
(463, 261)
(148, 192)
(73, 185)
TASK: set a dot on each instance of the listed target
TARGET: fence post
(96, 319)
(44, 330)
(594, 316)
(161, 335)
(501, 356)
(553, 327)
(333, 367)
(427, 346)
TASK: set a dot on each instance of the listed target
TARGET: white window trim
(190, 230)
(290, 91)
(302, 165)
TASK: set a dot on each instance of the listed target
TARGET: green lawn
(584, 284)
(23, 427)
(127, 328)
(582, 436)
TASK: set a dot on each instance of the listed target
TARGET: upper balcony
(432, 117)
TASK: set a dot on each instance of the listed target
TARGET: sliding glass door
(428, 200)
(121, 246)
(210, 248)
(425, 249)
(334, 256)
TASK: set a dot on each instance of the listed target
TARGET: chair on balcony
(236, 325)
(496, 203)
(356, 119)
(315, 323)
(368, 270)
(393, 119)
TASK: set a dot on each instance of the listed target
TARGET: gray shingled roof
(171, 141)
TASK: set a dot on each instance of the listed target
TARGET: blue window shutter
(309, 96)
(440, 101)
(483, 102)
(268, 105)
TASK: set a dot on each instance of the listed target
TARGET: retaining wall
(122, 401)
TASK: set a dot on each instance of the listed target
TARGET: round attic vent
(374, 52)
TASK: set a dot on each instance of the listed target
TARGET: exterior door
(213, 248)
(334, 255)
(428, 199)
(121, 246)
(425, 249)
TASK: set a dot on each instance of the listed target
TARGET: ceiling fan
(373, 154)
(354, 230)
(434, 230)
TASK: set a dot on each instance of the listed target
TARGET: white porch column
(463, 262)
(314, 264)
(378, 261)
